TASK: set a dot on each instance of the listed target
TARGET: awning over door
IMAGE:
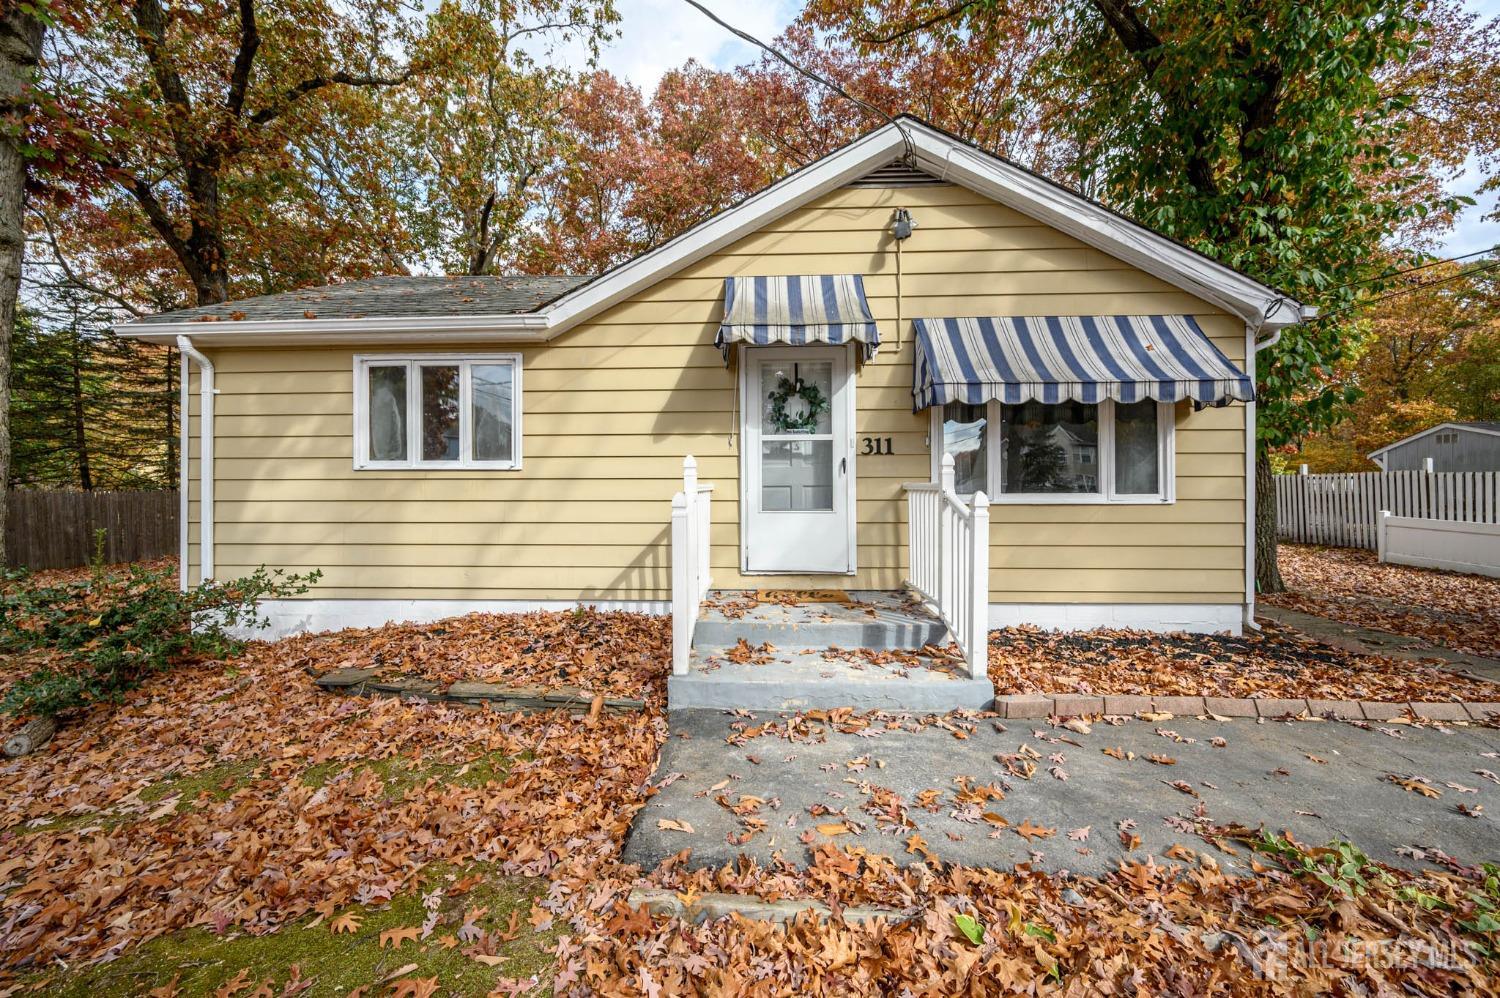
(1077, 358)
(828, 308)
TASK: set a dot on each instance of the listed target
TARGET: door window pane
(964, 437)
(1137, 455)
(796, 398)
(439, 412)
(796, 475)
(492, 412)
(387, 413)
(1050, 448)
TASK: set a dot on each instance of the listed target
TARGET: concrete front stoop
(804, 669)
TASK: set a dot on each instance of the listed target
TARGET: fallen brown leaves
(270, 846)
(1276, 663)
(1349, 584)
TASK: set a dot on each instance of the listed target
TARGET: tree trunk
(20, 48)
(32, 736)
(80, 430)
(1267, 572)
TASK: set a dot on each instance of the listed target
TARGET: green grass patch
(400, 773)
(202, 962)
(216, 782)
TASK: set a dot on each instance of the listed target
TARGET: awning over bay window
(827, 308)
(1072, 358)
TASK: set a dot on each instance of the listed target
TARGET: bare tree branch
(244, 60)
(906, 30)
(307, 86)
(61, 262)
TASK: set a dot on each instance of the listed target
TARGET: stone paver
(1343, 796)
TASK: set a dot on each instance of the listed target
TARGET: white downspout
(205, 456)
(182, 475)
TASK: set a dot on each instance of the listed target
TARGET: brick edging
(1076, 705)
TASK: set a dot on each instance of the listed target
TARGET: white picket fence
(1342, 510)
(950, 561)
(690, 549)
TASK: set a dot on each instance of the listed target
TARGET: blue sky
(657, 35)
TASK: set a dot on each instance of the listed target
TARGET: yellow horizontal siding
(612, 406)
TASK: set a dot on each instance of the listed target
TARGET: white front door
(797, 459)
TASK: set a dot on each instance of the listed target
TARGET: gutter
(205, 460)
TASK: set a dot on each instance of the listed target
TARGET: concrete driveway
(1319, 781)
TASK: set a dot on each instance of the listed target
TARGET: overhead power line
(1482, 269)
(1411, 270)
(806, 73)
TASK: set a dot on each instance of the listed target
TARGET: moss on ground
(401, 773)
(216, 782)
(201, 962)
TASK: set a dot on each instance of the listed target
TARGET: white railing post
(979, 537)
(684, 607)
(1382, 523)
(945, 552)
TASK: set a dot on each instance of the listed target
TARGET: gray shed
(1452, 447)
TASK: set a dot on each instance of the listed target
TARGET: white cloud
(658, 35)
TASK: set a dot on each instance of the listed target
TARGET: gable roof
(1486, 427)
(907, 140)
(388, 296)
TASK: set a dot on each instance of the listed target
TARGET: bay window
(1068, 452)
(437, 411)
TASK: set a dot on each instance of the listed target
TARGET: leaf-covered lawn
(1275, 663)
(226, 829)
(1349, 584)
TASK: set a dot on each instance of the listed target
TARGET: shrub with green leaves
(95, 638)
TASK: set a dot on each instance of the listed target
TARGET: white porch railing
(949, 547)
(690, 546)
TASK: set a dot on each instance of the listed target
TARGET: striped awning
(828, 308)
(1072, 358)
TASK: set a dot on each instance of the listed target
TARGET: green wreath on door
(811, 395)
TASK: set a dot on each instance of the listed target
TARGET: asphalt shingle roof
(389, 297)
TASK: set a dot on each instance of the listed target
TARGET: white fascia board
(749, 216)
(529, 328)
(1102, 229)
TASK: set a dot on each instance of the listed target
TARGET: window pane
(1137, 455)
(1050, 448)
(796, 397)
(439, 412)
(387, 413)
(964, 438)
(796, 475)
(493, 412)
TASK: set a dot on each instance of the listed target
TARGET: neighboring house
(438, 446)
(1451, 446)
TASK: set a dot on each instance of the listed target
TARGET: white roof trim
(1433, 429)
(938, 153)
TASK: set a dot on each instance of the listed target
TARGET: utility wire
(1409, 270)
(807, 73)
(1485, 268)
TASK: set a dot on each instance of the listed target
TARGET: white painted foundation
(289, 617)
(1162, 618)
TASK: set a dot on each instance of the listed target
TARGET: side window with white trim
(437, 411)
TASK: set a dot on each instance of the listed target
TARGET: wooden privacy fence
(56, 529)
(1341, 510)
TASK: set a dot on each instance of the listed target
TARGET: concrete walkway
(1320, 781)
(1370, 641)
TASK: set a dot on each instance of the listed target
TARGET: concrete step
(801, 680)
(875, 620)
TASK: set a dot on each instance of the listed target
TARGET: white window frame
(413, 362)
(1166, 443)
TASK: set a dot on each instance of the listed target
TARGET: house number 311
(877, 445)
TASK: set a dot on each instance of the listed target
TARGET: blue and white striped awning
(828, 308)
(1072, 358)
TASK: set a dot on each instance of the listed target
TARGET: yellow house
(442, 445)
